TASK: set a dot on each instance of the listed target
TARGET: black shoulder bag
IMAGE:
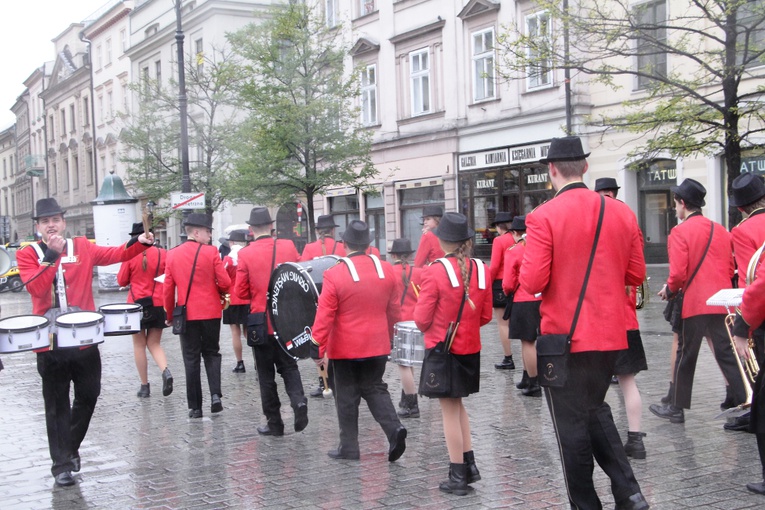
(179, 312)
(257, 329)
(553, 351)
(436, 373)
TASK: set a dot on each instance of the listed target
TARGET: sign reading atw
(187, 200)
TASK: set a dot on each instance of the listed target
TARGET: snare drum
(79, 329)
(121, 318)
(408, 344)
(24, 333)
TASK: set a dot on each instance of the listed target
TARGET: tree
(302, 135)
(152, 136)
(697, 73)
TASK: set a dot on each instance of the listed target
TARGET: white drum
(24, 333)
(408, 344)
(79, 329)
(121, 318)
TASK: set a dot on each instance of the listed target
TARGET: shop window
(344, 209)
(411, 203)
(375, 211)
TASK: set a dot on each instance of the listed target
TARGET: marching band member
(236, 313)
(499, 246)
(326, 243)
(201, 296)
(358, 308)
(256, 263)
(524, 320)
(429, 249)
(59, 368)
(443, 288)
(408, 284)
(139, 272)
(559, 242)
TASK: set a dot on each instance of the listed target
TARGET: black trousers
(354, 380)
(67, 426)
(694, 329)
(201, 341)
(585, 429)
(271, 359)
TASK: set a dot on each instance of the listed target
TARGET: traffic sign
(187, 200)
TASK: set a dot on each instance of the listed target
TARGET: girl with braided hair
(444, 285)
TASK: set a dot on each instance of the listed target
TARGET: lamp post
(182, 106)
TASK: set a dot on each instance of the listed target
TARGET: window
(330, 12)
(76, 173)
(99, 57)
(651, 58)
(66, 174)
(51, 128)
(124, 40)
(63, 122)
(483, 65)
(411, 202)
(366, 7)
(108, 51)
(751, 36)
(85, 112)
(110, 105)
(89, 166)
(145, 78)
(344, 209)
(72, 117)
(100, 108)
(419, 73)
(369, 95)
(200, 55)
(158, 73)
(539, 72)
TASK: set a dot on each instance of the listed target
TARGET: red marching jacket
(753, 302)
(355, 319)
(686, 245)
(746, 238)
(230, 267)
(409, 279)
(439, 305)
(253, 271)
(498, 248)
(210, 281)
(558, 246)
(512, 272)
(331, 247)
(78, 275)
(141, 280)
(428, 250)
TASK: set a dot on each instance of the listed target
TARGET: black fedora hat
(356, 233)
(137, 229)
(259, 216)
(326, 221)
(606, 183)
(198, 220)
(567, 148)
(746, 189)
(519, 223)
(47, 207)
(432, 210)
(502, 217)
(238, 236)
(691, 191)
(401, 246)
(453, 228)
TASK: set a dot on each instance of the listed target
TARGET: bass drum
(293, 296)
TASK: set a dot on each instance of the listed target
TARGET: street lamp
(182, 106)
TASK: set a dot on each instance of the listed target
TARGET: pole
(567, 69)
(182, 106)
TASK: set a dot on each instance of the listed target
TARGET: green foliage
(302, 132)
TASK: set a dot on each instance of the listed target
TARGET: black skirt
(466, 374)
(236, 314)
(498, 296)
(156, 320)
(632, 359)
(524, 321)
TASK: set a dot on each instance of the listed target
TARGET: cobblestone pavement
(146, 453)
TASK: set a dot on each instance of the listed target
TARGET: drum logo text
(299, 340)
(281, 281)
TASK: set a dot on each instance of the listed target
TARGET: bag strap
(270, 273)
(193, 269)
(706, 250)
(589, 266)
(406, 279)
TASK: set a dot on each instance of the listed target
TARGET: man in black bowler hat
(700, 264)
(256, 263)
(59, 273)
(194, 269)
(607, 186)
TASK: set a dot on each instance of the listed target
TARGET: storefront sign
(657, 176)
(754, 164)
(529, 153)
(486, 159)
(536, 178)
(484, 184)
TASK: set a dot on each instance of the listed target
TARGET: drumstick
(327, 391)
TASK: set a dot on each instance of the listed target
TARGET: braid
(463, 254)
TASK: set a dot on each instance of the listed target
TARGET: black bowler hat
(198, 220)
(432, 210)
(137, 229)
(691, 191)
(401, 246)
(47, 207)
(259, 216)
(568, 148)
(326, 221)
(519, 223)
(502, 217)
(357, 233)
(238, 236)
(746, 189)
(606, 183)
(453, 228)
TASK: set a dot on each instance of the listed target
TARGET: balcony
(33, 165)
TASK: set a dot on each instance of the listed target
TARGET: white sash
(480, 266)
(355, 274)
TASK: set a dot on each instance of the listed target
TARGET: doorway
(657, 216)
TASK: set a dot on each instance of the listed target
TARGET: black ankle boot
(524, 381)
(457, 482)
(408, 406)
(473, 475)
(634, 446)
(668, 398)
(533, 389)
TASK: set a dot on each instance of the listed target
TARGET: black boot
(668, 398)
(533, 389)
(473, 475)
(145, 391)
(318, 392)
(730, 400)
(634, 446)
(409, 406)
(524, 381)
(457, 482)
(402, 402)
(507, 363)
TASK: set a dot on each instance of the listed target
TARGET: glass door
(657, 219)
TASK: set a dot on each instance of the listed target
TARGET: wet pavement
(147, 453)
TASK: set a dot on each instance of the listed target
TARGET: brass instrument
(225, 301)
(642, 294)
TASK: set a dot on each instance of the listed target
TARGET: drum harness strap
(355, 274)
(61, 284)
(453, 276)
